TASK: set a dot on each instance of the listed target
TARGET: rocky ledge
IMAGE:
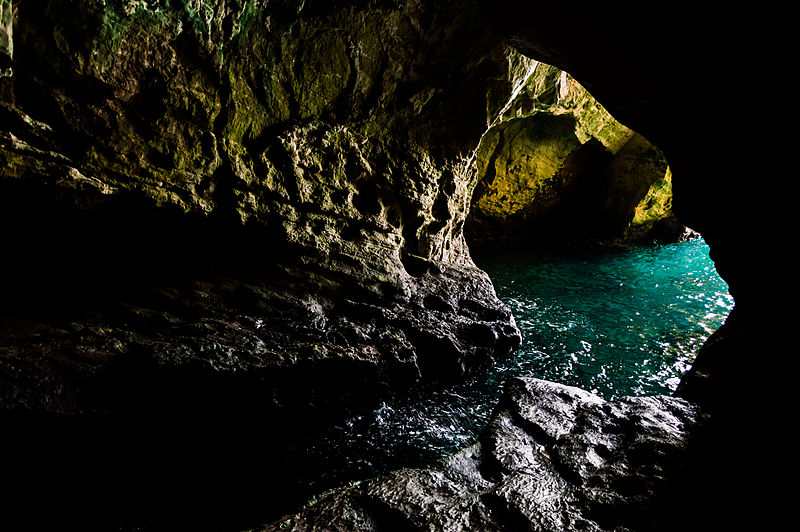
(552, 458)
(215, 204)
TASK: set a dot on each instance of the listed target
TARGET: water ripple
(617, 322)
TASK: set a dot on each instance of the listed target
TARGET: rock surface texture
(552, 458)
(556, 164)
(224, 221)
(311, 144)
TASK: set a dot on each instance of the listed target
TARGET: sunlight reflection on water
(616, 322)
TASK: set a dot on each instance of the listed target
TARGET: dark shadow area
(61, 257)
(113, 420)
(146, 473)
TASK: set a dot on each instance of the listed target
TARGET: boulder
(552, 458)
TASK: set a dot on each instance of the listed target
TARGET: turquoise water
(614, 321)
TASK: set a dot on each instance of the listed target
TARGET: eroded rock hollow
(227, 222)
(313, 145)
(555, 164)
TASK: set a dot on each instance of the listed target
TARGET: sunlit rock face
(556, 164)
(325, 148)
(225, 224)
(552, 458)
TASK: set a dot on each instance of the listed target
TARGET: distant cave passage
(557, 168)
(557, 165)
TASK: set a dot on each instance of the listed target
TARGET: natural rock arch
(137, 97)
(556, 165)
(648, 63)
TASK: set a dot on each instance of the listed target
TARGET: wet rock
(553, 457)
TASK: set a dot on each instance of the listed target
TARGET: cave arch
(643, 62)
(75, 128)
(556, 165)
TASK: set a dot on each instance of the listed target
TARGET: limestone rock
(553, 457)
(556, 163)
(321, 148)
(226, 224)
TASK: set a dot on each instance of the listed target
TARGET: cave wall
(262, 211)
(556, 165)
(225, 225)
(188, 103)
(319, 146)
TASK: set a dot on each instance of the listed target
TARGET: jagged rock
(225, 224)
(553, 457)
(557, 164)
(152, 151)
(312, 145)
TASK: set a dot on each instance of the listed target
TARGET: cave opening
(571, 218)
(264, 204)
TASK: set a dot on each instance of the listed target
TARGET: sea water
(617, 322)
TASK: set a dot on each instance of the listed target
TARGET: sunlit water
(616, 322)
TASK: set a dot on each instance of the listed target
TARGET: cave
(227, 225)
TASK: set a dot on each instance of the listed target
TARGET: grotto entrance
(571, 219)
(87, 112)
(571, 216)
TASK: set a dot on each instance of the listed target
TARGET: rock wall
(320, 146)
(557, 165)
(224, 225)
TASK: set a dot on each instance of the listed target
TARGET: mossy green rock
(527, 166)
